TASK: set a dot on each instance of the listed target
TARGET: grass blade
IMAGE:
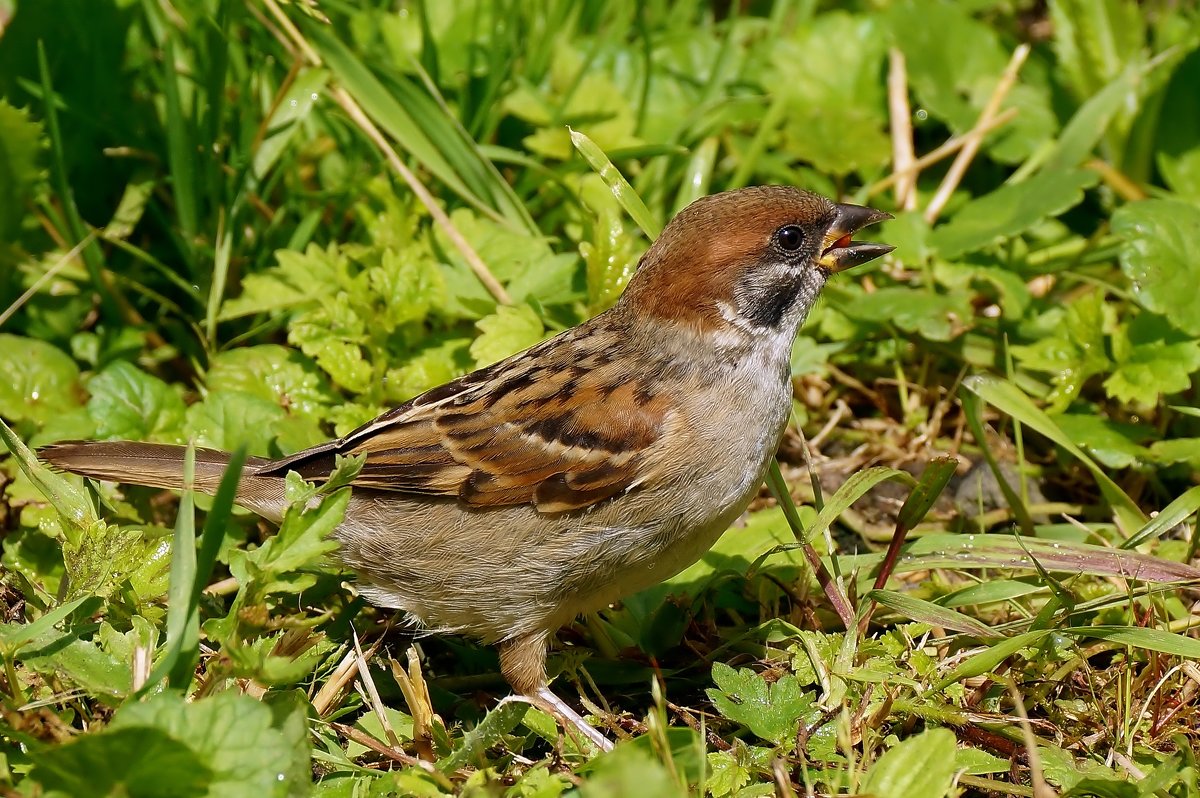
(928, 612)
(1158, 640)
(182, 625)
(833, 591)
(93, 259)
(1171, 515)
(72, 504)
(181, 153)
(1008, 398)
(616, 182)
(191, 570)
(851, 491)
(990, 658)
(414, 136)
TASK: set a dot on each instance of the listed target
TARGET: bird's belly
(507, 571)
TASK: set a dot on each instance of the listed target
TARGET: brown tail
(159, 465)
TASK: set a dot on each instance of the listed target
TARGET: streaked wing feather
(559, 438)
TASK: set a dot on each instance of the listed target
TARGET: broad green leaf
(919, 767)
(1094, 39)
(509, 330)
(128, 403)
(304, 538)
(585, 99)
(840, 56)
(229, 419)
(510, 254)
(1147, 370)
(1073, 347)
(438, 360)
(497, 723)
(954, 62)
(1113, 444)
(137, 761)
(299, 278)
(629, 770)
(333, 337)
(40, 381)
(938, 317)
(1159, 257)
(82, 663)
(726, 773)
(1008, 398)
(225, 746)
(947, 54)
(14, 636)
(407, 285)
(1176, 450)
(611, 256)
(1011, 210)
(977, 762)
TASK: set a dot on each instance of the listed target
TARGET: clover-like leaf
(275, 373)
(21, 143)
(507, 331)
(773, 711)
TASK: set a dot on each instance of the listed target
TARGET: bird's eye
(790, 237)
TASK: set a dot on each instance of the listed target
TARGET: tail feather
(159, 465)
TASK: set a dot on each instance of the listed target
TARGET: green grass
(254, 225)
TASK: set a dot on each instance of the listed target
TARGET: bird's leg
(523, 663)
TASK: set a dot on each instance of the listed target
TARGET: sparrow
(503, 504)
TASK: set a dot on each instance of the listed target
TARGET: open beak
(839, 252)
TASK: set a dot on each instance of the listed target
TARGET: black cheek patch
(766, 305)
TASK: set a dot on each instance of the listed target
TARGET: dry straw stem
(975, 138)
(360, 118)
(1040, 788)
(346, 670)
(1117, 180)
(58, 266)
(372, 692)
(902, 134)
(366, 740)
(343, 674)
(947, 149)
